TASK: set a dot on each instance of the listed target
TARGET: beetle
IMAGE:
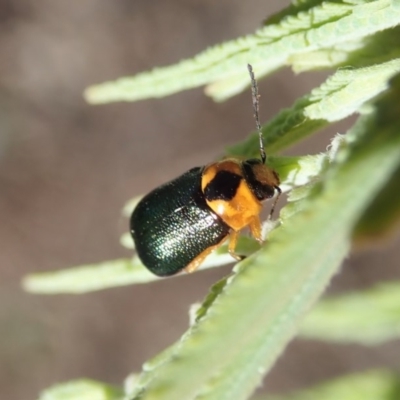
(179, 223)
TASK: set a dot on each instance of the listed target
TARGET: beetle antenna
(256, 107)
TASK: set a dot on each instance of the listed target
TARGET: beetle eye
(260, 188)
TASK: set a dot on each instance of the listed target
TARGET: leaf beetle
(179, 223)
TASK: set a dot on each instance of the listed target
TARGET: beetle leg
(193, 265)
(255, 229)
(233, 238)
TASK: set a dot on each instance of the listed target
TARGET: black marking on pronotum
(223, 186)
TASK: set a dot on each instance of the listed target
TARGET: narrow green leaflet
(341, 95)
(369, 317)
(368, 385)
(376, 49)
(226, 353)
(114, 273)
(352, 87)
(82, 389)
(87, 278)
(301, 29)
(382, 216)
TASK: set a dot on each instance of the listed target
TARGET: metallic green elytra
(173, 225)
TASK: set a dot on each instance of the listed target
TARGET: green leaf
(344, 93)
(87, 278)
(114, 273)
(251, 319)
(376, 49)
(369, 317)
(369, 385)
(382, 216)
(82, 389)
(301, 29)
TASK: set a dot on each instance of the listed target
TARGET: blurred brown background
(66, 169)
